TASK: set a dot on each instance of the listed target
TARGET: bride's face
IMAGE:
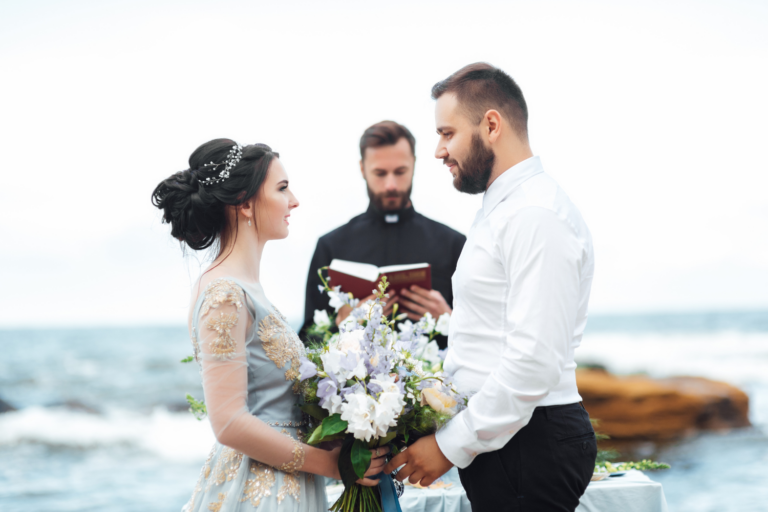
(274, 204)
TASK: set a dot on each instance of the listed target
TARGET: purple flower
(326, 388)
(307, 369)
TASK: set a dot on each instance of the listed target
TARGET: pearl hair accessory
(233, 157)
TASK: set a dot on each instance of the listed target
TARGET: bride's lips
(286, 219)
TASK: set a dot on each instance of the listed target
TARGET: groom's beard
(379, 202)
(473, 175)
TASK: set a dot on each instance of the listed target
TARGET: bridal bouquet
(371, 385)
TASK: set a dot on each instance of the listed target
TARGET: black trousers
(545, 467)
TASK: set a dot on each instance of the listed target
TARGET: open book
(360, 279)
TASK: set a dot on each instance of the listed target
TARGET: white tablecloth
(633, 492)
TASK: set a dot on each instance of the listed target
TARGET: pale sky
(651, 115)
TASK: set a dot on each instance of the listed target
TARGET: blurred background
(651, 115)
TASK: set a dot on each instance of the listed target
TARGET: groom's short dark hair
(480, 87)
(386, 133)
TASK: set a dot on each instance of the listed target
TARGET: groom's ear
(492, 125)
(362, 169)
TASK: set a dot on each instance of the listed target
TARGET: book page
(399, 268)
(352, 268)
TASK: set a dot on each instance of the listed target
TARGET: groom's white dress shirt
(521, 290)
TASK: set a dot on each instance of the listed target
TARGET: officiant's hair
(196, 212)
(386, 133)
(481, 87)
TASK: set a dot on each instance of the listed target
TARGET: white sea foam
(176, 436)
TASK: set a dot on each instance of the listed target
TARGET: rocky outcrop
(638, 407)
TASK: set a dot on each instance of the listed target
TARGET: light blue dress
(230, 480)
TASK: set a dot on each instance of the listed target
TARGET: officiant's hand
(424, 462)
(344, 311)
(419, 301)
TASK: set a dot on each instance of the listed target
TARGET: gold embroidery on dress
(195, 346)
(216, 294)
(298, 457)
(219, 292)
(281, 345)
(223, 347)
(226, 467)
(290, 487)
(259, 487)
(216, 506)
(204, 472)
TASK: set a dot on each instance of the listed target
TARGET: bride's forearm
(321, 462)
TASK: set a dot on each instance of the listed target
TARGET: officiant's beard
(473, 175)
(378, 199)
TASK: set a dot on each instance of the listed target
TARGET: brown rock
(638, 407)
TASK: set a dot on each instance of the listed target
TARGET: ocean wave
(169, 435)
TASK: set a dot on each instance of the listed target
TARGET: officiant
(390, 231)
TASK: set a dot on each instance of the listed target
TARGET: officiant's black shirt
(386, 238)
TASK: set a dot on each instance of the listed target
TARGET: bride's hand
(378, 461)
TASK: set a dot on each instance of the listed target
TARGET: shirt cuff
(453, 438)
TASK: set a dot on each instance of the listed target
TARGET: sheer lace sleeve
(222, 325)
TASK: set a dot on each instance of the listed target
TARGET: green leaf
(330, 426)
(315, 411)
(361, 457)
(387, 439)
(346, 469)
(188, 359)
(196, 407)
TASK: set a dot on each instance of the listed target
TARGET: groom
(521, 290)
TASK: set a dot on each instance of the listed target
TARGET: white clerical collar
(391, 218)
(510, 180)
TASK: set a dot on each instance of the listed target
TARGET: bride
(236, 199)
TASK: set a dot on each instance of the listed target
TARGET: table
(633, 492)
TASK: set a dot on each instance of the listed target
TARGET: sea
(101, 422)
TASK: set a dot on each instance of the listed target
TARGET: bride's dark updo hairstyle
(197, 213)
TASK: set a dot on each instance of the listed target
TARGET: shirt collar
(392, 217)
(509, 181)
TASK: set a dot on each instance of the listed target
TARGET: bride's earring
(249, 222)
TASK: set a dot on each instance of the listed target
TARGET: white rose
(350, 341)
(358, 412)
(322, 319)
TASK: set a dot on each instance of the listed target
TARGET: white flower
(335, 301)
(333, 404)
(430, 322)
(322, 319)
(430, 353)
(332, 362)
(358, 412)
(406, 329)
(350, 341)
(348, 324)
(388, 408)
(442, 324)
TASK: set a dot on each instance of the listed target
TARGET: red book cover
(361, 279)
